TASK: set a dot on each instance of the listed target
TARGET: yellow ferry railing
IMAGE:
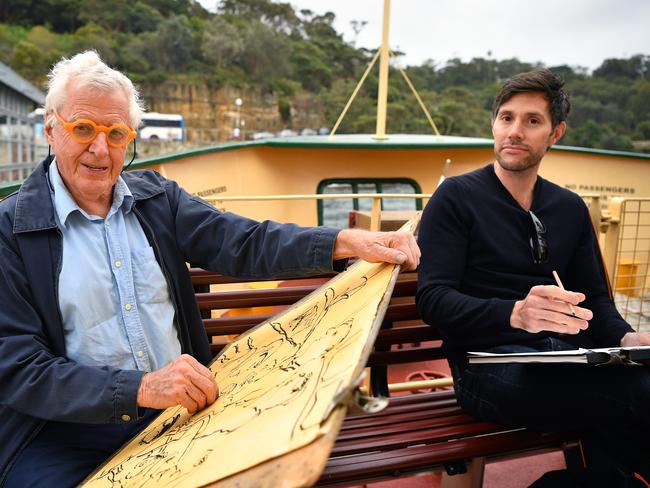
(375, 213)
(624, 231)
(627, 258)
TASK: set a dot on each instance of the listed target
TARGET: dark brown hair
(540, 80)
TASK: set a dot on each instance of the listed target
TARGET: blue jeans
(62, 454)
(609, 406)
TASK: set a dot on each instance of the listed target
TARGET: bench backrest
(232, 306)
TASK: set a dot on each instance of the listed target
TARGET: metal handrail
(375, 215)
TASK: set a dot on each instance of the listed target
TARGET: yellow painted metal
(354, 94)
(627, 258)
(421, 385)
(418, 98)
(263, 170)
(375, 219)
(382, 95)
(317, 196)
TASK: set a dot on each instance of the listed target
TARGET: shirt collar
(65, 205)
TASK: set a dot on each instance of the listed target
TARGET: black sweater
(477, 261)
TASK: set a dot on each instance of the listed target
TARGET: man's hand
(184, 382)
(633, 339)
(546, 307)
(374, 247)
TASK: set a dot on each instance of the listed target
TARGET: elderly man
(99, 326)
(490, 242)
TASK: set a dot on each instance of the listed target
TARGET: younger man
(490, 240)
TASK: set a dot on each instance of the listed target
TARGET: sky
(553, 32)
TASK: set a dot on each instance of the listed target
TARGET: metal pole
(382, 95)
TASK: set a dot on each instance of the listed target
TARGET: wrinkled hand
(374, 247)
(633, 339)
(184, 382)
(546, 307)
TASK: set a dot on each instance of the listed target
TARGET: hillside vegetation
(276, 50)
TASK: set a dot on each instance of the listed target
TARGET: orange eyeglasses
(84, 131)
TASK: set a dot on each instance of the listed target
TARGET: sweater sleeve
(444, 241)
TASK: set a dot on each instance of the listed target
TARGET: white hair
(88, 70)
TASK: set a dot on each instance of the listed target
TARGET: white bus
(163, 127)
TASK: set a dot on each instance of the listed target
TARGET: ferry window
(399, 203)
(334, 212)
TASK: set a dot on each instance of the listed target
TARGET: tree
(222, 43)
(280, 16)
(174, 39)
(16, 11)
(93, 36)
(134, 56)
(41, 37)
(266, 53)
(635, 67)
(568, 73)
(113, 15)
(599, 136)
(170, 8)
(28, 60)
(62, 15)
(310, 66)
(643, 131)
(143, 18)
(639, 101)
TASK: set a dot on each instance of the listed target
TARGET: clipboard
(631, 356)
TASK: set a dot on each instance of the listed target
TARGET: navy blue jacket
(37, 381)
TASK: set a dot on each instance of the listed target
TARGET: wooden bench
(419, 432)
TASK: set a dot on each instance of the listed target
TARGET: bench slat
(412, 414)
(416, 432)
(348, 470)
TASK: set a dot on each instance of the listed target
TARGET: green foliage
(639, 101)
(10, 35)
(642, 132)
(280, 16)
(284, 107)
(310, 66)
(28, 60)
(266, 53)
(222, 43)
(172, 46)
(598, 136)
(94, 36)
(143, 18)
(269, 45)
(626, 69)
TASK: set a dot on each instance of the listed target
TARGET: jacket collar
(34, 208)
(142, 188)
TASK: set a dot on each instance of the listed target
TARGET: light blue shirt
(113, 297)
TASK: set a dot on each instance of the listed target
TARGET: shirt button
(127, 307)
(139, 354)
(118, 263)
(126, 418)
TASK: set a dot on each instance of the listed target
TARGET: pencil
(559, 284)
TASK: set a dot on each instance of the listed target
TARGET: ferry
(361, 163)
(287, 179)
